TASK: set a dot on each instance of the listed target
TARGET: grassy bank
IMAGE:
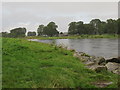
(75, 37)
(28, 64)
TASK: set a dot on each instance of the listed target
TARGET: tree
(80, 28)
(5, 34)
(31, 34)
(45, 31)
(118, 25)
(72, 28)
(40, 30)
(18, 32)
(102, 29)
(111, 26)
(89, 29)
(96, 24)
(51, 29)
(95, 27)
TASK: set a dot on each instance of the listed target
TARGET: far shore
(114, 36)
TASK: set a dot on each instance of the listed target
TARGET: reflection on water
(107, 48)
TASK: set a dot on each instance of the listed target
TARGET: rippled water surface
(107, 48)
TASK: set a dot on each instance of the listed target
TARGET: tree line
(49, 30)
(94, 27)
(17, 32)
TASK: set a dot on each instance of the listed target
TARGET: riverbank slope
(28, 64)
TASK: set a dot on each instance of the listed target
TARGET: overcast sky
(31, 15)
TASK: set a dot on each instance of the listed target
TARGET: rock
(98, 64)
(98, 68)
(76, 54)
(116, 60)
(100, 60)
(89, 63)
(117, 71)
(102, 84)
(113, 67)
(72, 50)
(97, 60)
(85, 58)
(82, 54)
(79, 55)
(92, 58)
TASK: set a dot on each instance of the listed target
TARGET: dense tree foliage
(31, 34)
(5, 34)
(118, 23)
(88, 29)
(72, 28)
(49, 30)
(18, 32)
(40, 30)
(95, 26)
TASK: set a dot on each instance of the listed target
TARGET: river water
(107, 48)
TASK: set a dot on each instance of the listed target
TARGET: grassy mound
(28, 64)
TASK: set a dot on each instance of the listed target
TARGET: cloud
(29, 15)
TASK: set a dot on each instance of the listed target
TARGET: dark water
(107, 48)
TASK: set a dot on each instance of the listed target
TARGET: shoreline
(66, 47)
(44, 63)
(76, 37)
(93, 62)
(99, 64)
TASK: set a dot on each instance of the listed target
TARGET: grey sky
(31, 15)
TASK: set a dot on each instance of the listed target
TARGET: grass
(28, 64)
(0, 63)
(75, 37)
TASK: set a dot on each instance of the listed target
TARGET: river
(107, 48)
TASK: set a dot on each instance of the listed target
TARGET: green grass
(75, 37)
(0, 63)
(28, 64)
